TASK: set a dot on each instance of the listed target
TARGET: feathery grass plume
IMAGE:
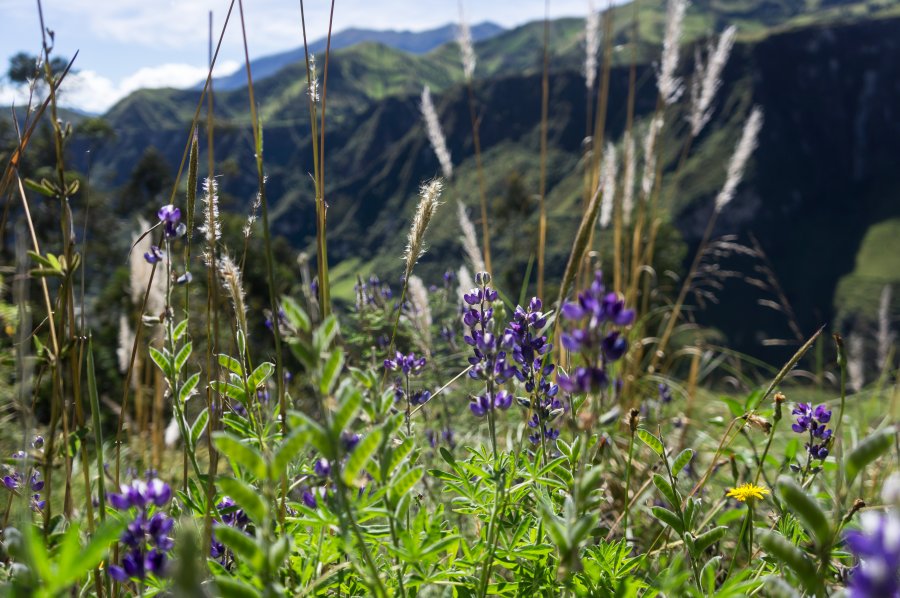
(126, 342)
(856, 370)
(211, 229)
(466, 283)
(470, 239)
(649, 174)
(233, 284)
(139, 274)
(885, 336)
(252, 216)
(313, 91)
(628, 179)
(708, 79)
(670, 86)
(609, 173)
(742, 153)
(421, 310)
(415, 243)
(466, 48)
(435, 134)
(591, 45)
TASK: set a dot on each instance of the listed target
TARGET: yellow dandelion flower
(747, 492)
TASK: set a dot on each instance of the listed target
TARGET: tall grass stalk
(468, 58)
(542, 188)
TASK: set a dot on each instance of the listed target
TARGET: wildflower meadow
(252, 426)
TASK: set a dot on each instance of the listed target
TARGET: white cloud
(92, 92)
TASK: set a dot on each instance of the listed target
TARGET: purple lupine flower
(814, 423)
(309, 499)
(409, 364)
(170, 216)
(155, 255)
(599, 316)
(349, 440)
(599, 309)
(38, 442)
(231, 516)
(877, 547)
(489, 351)
(18, 480)
(665, 393)
(185, 278)
(483, 403)
(147, 536)
(531, 351)
(322, 467)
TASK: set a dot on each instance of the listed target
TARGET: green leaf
(245, 496)
(244, 546)
(187, 389)
(867, 451)
(226, 389)
(180, 330)
(806, 509)
(681, 461)
(231, 364)
(652, 441)
(708, 538)
(350, 400)
(406, 481)
(295, 315)
(330, 372)
(262, 373)
(791, 556)
(325, 333)
(98, 546)
(708, 574)
(183, 355)
(398, 454)
(669, 518)
(199, 426)
(318, 438)
(667, 491)
(360, 456)
(230, 587)
(240, 453)
(288, 450)
(162, 361)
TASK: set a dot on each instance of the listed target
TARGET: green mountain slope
(826, 155)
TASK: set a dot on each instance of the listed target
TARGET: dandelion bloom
(747, 492)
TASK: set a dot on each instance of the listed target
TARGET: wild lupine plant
(147, 538)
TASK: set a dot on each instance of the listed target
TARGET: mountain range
(820, 195)
(414, 42)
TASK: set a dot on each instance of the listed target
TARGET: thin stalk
(545, 107)
(270, 270)
(479, 168)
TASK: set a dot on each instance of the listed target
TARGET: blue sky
(128, 44)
